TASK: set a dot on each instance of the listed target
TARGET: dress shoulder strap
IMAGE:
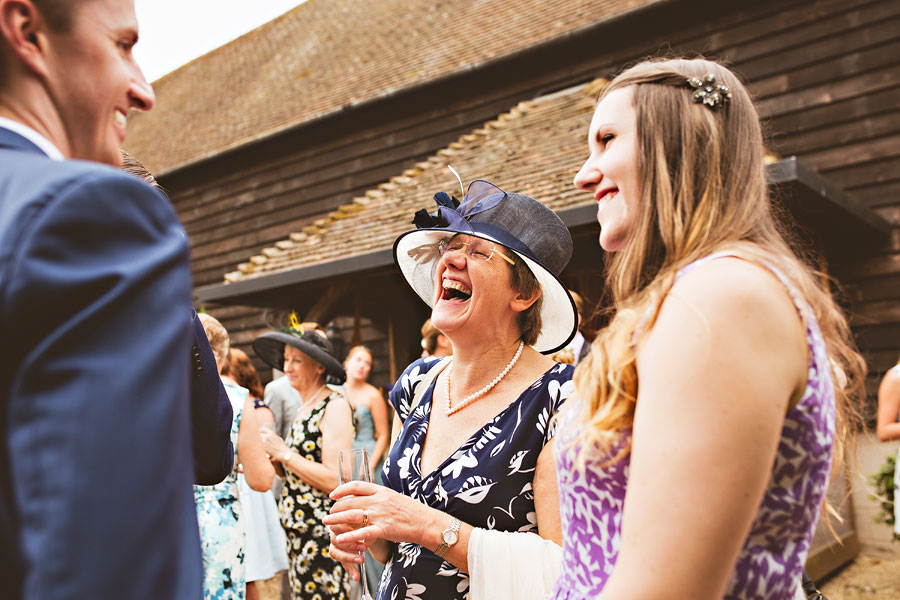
(426, 382)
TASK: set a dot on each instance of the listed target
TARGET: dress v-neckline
(469, 441)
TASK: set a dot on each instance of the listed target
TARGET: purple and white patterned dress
(770, 563)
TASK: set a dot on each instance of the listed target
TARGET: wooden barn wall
(825, 73)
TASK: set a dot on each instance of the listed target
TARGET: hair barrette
(709, 92)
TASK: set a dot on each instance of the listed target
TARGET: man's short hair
(57, 13)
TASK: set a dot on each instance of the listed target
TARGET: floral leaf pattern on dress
(516, 462)
(496, 449)
(474, 483)
(413, 591)
(475, 489)
(463, 460)
(409, 552)
(222, 536)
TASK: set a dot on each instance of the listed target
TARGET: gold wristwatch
(449, 537)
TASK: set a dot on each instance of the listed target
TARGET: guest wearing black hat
(322, 428)
(472, 431)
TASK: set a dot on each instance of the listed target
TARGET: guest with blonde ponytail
(695, 459)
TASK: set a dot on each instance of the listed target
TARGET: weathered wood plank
(875, 289)
(842, 66)
(821, 39)
(872, 266)
(848, 155)
(882, 170)
(840, 135)
(853, 109)
(831, 91)
(883, 198)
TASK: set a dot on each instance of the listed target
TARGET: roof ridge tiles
(310, 63)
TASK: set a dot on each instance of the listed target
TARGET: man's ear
(23, 32)
(521, 302)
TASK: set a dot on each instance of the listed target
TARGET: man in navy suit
(96, 460)
(210, 407)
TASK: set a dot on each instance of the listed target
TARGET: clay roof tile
(328, 54)
(537, 153)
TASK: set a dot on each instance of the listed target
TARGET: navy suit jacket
(211, 413)
(96, 462)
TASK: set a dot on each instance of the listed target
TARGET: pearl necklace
(471, 398)
(311, 401)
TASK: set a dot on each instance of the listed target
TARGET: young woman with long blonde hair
(695, 459)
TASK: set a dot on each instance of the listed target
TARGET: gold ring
(365, 518)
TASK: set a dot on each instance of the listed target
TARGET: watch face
(450, 537)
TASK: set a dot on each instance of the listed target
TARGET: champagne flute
(353, 465)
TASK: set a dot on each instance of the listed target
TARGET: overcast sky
(174, 32)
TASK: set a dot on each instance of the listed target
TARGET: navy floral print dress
(486, 483)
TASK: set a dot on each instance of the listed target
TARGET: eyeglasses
(475, 250)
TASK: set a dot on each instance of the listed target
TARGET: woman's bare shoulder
(736, 289)
(731, 309)
(337, 404)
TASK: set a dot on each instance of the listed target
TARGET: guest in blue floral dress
(473, 430)
(218, 507)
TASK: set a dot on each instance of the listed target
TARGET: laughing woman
(472, 431)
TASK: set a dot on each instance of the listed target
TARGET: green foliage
(883, 482)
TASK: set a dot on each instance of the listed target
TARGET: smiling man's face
(93, 80)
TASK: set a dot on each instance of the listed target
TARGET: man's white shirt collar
(34, 137)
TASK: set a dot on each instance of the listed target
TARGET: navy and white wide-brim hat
(533, 232)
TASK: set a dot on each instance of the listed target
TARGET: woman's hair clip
(708, 92)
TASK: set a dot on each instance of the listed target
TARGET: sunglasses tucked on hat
(525, 227)
(270, 347)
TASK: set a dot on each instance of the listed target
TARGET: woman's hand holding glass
(366, 515)
(353, 465)
(273, 444)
